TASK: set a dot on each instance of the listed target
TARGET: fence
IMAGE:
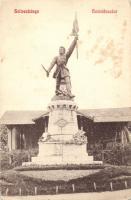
(67, 188)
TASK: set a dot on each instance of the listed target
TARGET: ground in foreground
(117, 195)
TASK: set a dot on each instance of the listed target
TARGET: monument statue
(62, 72)
(62, 142)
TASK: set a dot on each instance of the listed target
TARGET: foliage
(114, 154)
(4, 160)
(118, 155)
(15, 158)
(80, 138)
(3, 137)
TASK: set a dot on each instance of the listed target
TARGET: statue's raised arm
(71, 48)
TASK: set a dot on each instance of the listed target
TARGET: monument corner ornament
(63, 142)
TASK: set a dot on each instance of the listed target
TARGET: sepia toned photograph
(65, 100)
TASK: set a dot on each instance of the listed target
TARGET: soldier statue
(62, 72)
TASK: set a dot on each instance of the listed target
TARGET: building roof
(20, 117)
(97, 115)
(108, 114)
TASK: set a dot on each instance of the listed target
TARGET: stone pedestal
(51, 153)
(62, 119)
(60, 145)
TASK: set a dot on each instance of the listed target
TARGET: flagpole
(77, 50)
(76, 31)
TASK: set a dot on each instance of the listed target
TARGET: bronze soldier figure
(62, 72)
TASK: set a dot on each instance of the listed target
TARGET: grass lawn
(55, 175)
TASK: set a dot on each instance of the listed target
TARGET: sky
(101, 76)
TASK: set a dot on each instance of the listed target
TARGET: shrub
(15, 158)
(118, 155)
(4, 160)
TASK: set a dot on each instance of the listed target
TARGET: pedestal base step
(62, 160)
(40, 162)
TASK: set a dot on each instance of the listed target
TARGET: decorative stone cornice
(62, 105)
